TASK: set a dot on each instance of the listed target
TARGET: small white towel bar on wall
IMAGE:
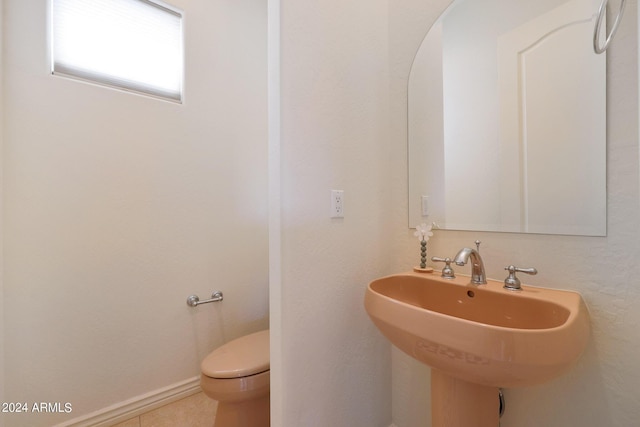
(596, 32)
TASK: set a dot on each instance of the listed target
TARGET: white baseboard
(135, 406)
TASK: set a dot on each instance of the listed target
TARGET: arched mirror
(507, 119)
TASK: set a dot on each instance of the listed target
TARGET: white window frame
(175, 94)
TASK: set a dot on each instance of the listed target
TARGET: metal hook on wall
(596, 33)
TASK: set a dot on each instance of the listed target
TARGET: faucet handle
(512, 282)
(447, 271)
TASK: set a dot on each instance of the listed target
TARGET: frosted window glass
(131, 44)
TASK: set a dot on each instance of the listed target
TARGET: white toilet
(237, 376)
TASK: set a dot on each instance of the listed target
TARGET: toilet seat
(242, 357)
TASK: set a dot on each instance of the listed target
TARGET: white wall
(275, 209)
(118, 206)
(601, 390)
(335, 121)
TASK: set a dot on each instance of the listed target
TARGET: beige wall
(335, 367)
(601, 389)
(118, 206)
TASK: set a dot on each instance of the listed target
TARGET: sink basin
(485, 334)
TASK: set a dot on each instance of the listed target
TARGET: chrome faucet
(477, 266)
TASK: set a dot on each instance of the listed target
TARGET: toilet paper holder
(194, 300)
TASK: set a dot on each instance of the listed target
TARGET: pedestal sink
(478, 338)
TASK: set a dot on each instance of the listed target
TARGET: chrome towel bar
(194, 300)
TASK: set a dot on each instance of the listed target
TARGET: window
(130, 44)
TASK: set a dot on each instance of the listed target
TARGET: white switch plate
(337, 204)
(425, 205)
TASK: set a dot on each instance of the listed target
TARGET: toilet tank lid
(244, 356)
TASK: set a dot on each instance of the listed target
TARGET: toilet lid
(244, 356)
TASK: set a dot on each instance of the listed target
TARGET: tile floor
(193, 411)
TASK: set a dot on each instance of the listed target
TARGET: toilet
(237, 376)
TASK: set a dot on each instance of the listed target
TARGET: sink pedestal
(457, 403)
